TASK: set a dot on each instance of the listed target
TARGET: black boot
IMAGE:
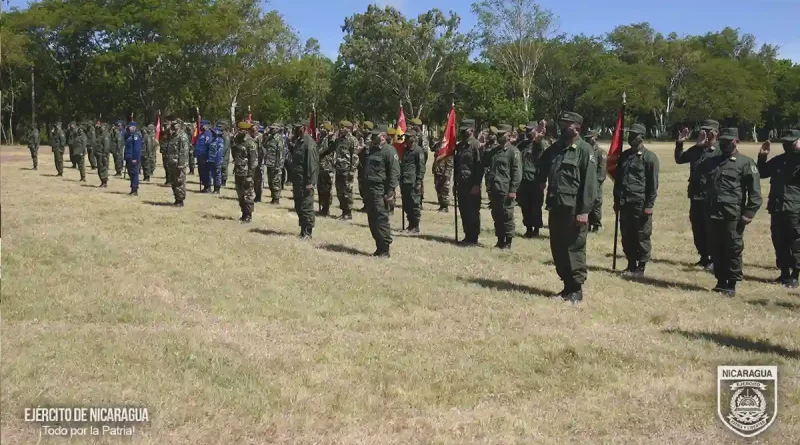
(216, 190)
(507, 243)
(414, 228)
(104, 183)
(535, 232)
(324, 211)
(791, 283)
(178, 203)
(630, 269)
(346, 215)
(573, 294)
(246, 218)
(529, 233)
(501, 241)
(721, 286)
(785, 276)
(730, 290)
(639, 270)
(275, 201)
(118, 173)
(305, 232)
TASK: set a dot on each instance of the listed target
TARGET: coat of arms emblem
(747, 398)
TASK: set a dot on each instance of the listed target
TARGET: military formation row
(518, 168)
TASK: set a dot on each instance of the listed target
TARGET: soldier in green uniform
(362, 142)
(412, 174)
(101, 153)
(596, 216)
(326, 147)
(118, 146)
(178, 152)
(569, 170)
(346, 163)
(424, 143)
(165, 136)
(58, 141)
(390, 135)
(273, 161)
(304, 174)
(732, 200)
(705, 148)
(150, 166)
(783, 205)
(72, 133)
(226, 151)
(245, 161)
(442, 178)
(635, 191)
(381, 176)
(468, 174)
(529, 194)
(33, 146)
(80, 151)
(91, 140)
(503, 166)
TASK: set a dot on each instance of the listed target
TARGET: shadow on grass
(92, 186)
(690, 265)
(219, 217)
(767, 303)
(428, 237)
(338, 248)
(648, 280)
(231, 198)
(50, 175)
(113, 192)
(156, 203)
(740, 343)
(503, 285)
(270, 232)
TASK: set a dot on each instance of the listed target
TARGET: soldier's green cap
(637, 129)
(502, 128)
(368, 125)
(244, 125)
(391, 131)
(531, 125)
(591, 134)
(409, 132)
(709, 124)
(729, 133)
(570, 116)
(327, 125)
(380, 128)
(416, 121)
(522, 127)
(467, 123)
(791, 135)
(346, 124)
(275, 126)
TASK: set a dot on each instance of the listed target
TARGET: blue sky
(771, 21)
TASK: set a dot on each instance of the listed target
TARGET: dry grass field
(245, 334)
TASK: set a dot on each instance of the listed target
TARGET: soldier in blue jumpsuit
(133, 156)
(201, 153)
(216, 148)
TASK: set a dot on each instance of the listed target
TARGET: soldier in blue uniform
(216, 148)
(201, 153)
(133, 156)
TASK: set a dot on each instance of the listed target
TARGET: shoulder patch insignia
(396, 157)
(135, 138)
(591, 158)
(754, 169)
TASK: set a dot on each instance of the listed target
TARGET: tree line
(63, 60)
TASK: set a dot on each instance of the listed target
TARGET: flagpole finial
(624, 97)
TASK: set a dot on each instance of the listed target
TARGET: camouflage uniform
(258, 173)
(79, 144)
(273, 160)
(442, 177)
(117, 146)
(101, 153)
(326, 148)
(72, 133)
(226, 154)
(346, 163)
(245, 162)
(91, 140)
(33, 146)
(58, 141)
(177, 156)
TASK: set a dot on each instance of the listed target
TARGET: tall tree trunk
(11, 116)
(33, 97)
(755, 134)
(233, 113)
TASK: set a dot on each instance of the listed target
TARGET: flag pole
(616, 212)
(455, 180)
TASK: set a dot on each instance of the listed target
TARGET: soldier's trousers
(469, 206)
(81, 164)
(325, 188)
(72, 158)
(258, 182)
(412, 204)
(531, 199)
(274, 179)
(378, 216)
(225, 172)
(442, 185)
(635, 228)
(203, 173)
(785, 229)
(344, 191)
(146, 167)
(177, 178)
(502, 214)
(58, 158)
(215, 174)
(133, 173)
(244, 190)
(700, 227)
(596, 214)
(304, 205)
(163, 161)
(191, 165)
(727, 245)
(92, 160)
(118, 161)
(35, 156)
(102, 165)
(568, 246)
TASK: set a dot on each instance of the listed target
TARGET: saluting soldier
(732, 200)
(424, 143)
(635, 191)
(273, 160)
(783, 205)
(529, 195)
(706, 147)
(504, 174)
(176, 159)
(412, 174)
(569, 170)
(326, 148)
(345, 162)
(596, 216)
(381, 175)
(468, 176)
(245, 161)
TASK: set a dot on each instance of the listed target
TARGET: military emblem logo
(747, 398)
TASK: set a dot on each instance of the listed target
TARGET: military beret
(729, 133)
(416, 121)
(569, 116)
(132, 124)
(709, 124)
(368, 125)
(391, 131)
(591, 134)
(493, 129)
(467, 123)
(791, 135)
(327, 125)
(637, 129)
(244, 125)
(346, 124)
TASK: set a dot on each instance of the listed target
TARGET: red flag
(449, 138)
(158, 129)
(616, 144)
(400, 131)
(312, 125)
